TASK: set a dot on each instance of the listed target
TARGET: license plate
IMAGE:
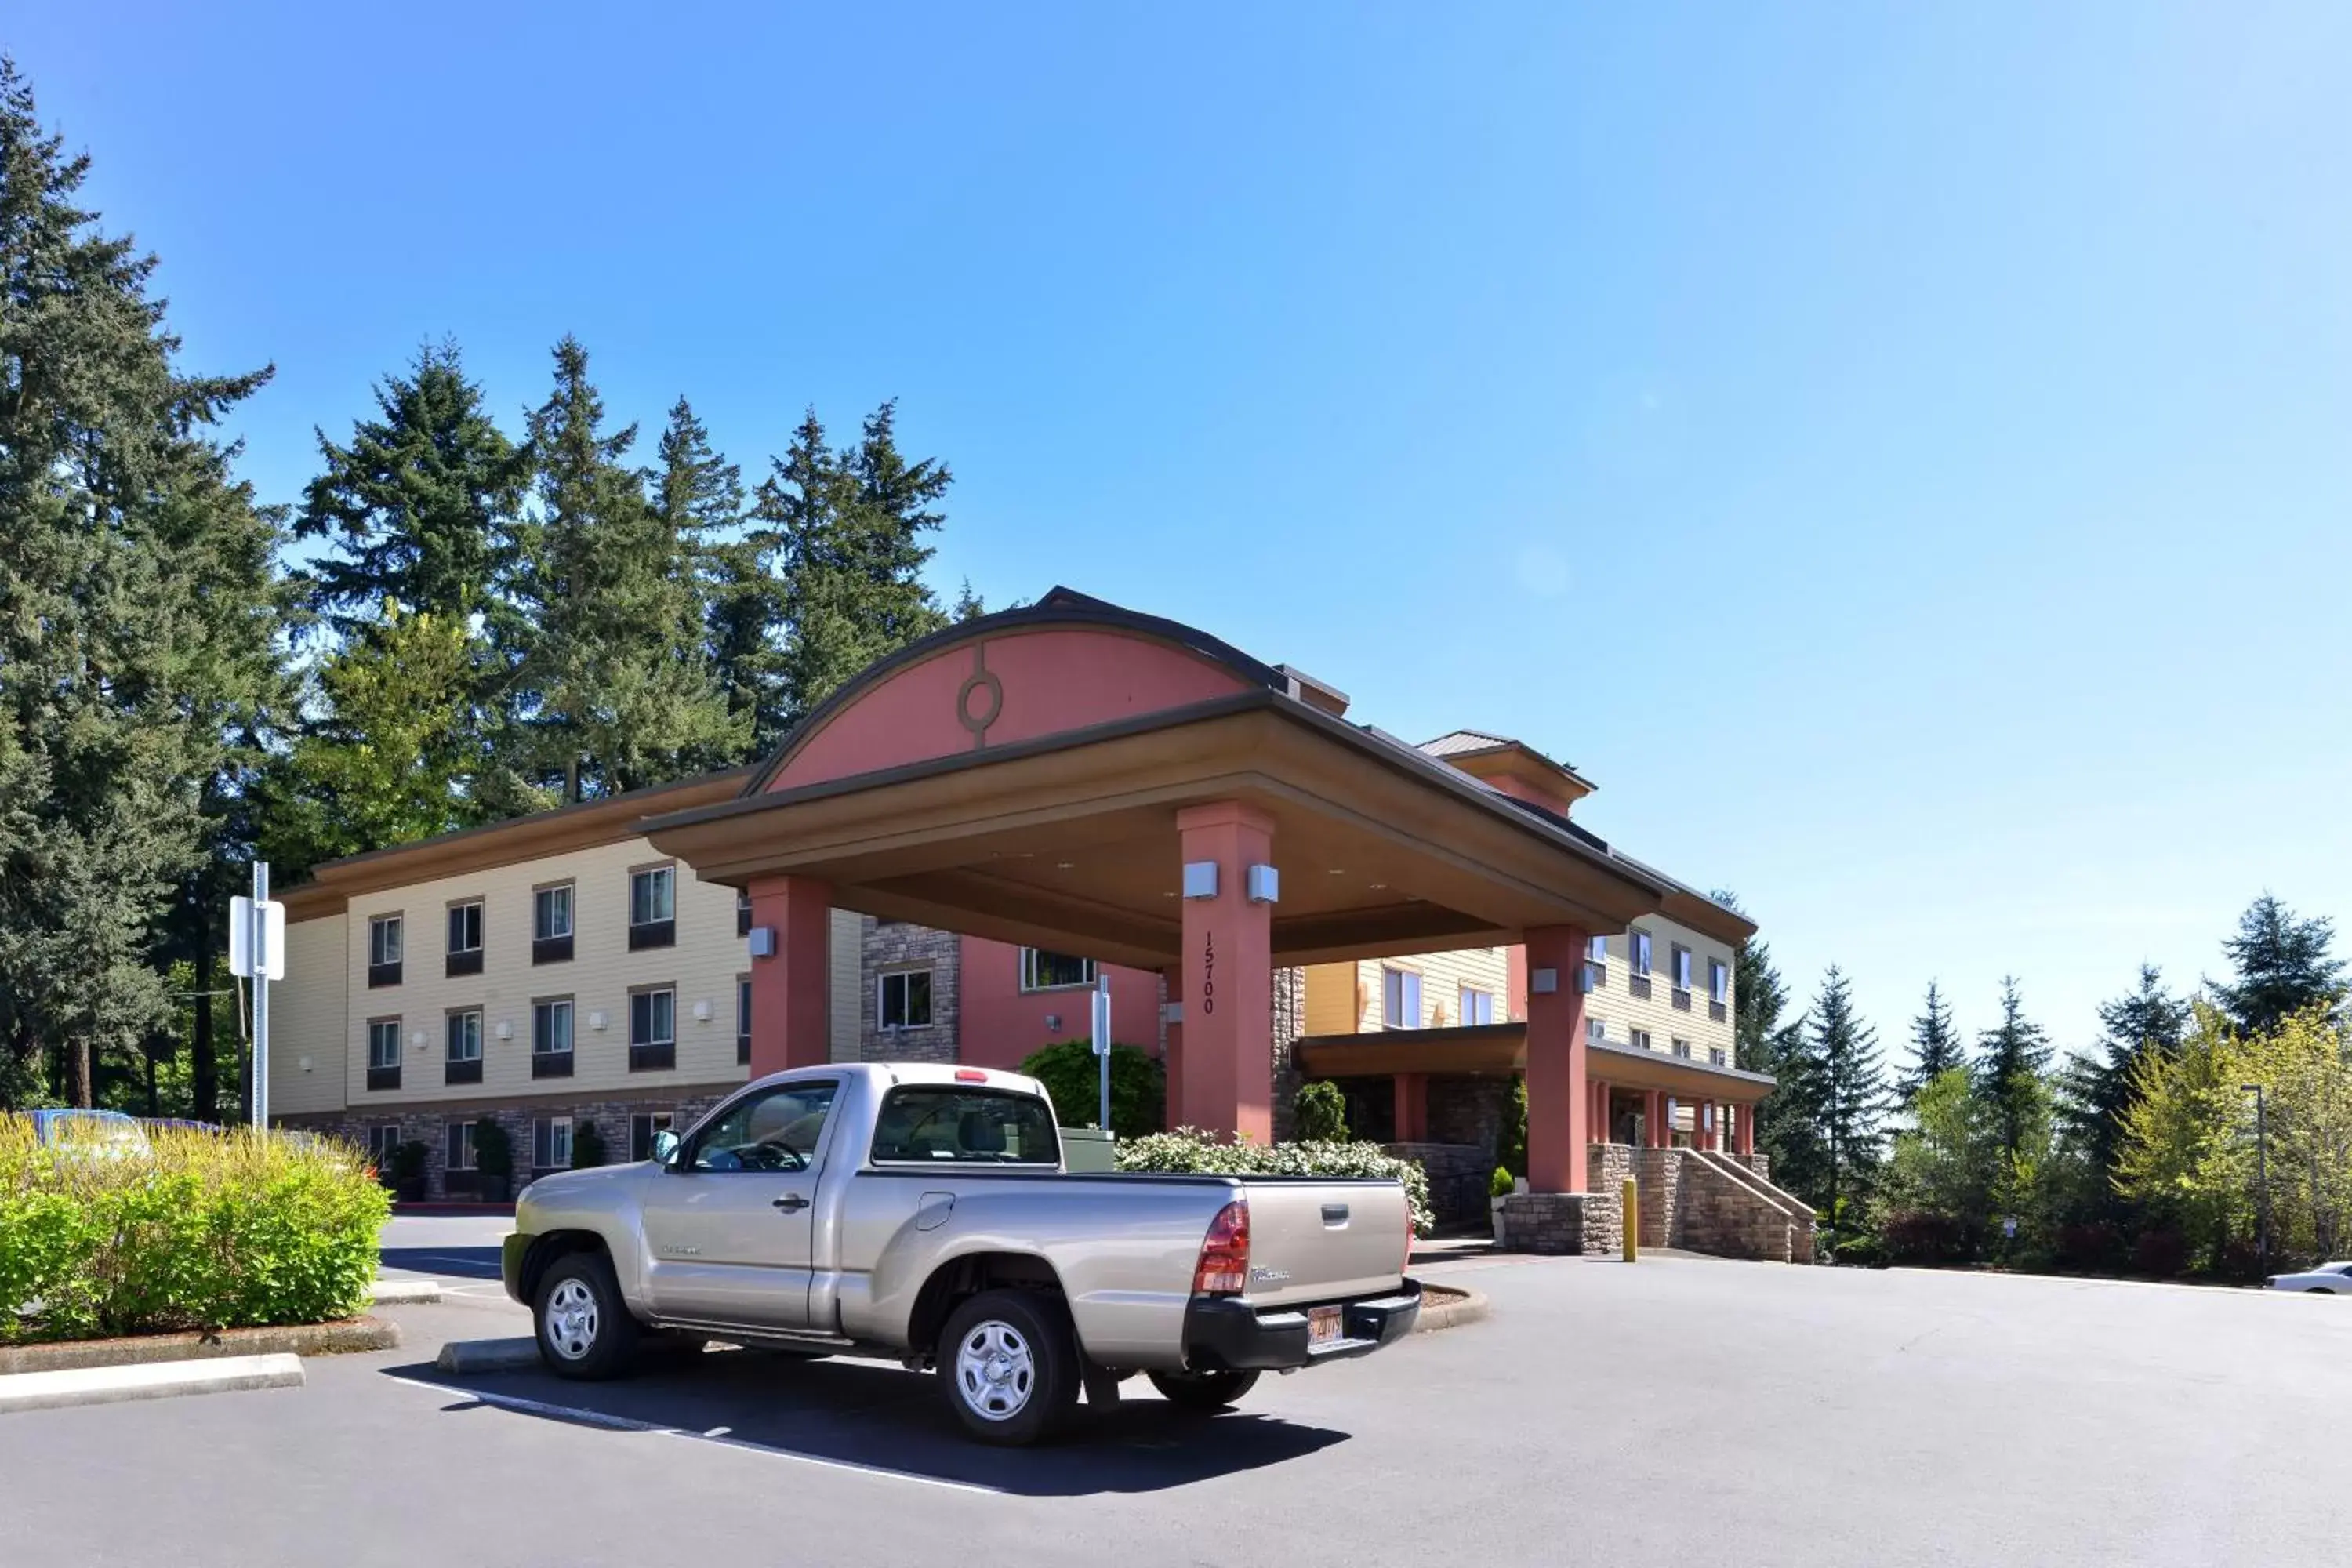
(1324, 1326)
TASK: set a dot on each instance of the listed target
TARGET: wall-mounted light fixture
(505, 1030)
(1265, 884)
(763, 941)
(596, 1020)
(1543, 982)
(702, 1012)
(1200, 878)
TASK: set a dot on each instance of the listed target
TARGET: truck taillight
(1224, 1268)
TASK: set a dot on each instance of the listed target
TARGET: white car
(2326, 1278)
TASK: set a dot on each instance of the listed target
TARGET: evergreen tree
(138, 619)
(699, 495)
(2009, 1062)
(848, 527)
(420, 504)
(1786, 1123)
(2284, 966)
(1850, 1093)
(1935, 1046)
(2094, 1090)
(612, 667)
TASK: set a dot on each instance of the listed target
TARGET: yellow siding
(1620, 1012)
(1330, 999)
(306, 1023)
(1443, 975)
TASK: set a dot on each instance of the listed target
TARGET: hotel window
(1596, 949)
(463, 1062)
(902, 999)
(1682, 1048)
(1715, 1055)
(642, 1128)
(550, 1143)
(384, 1053)
(1043, 971)
(459, 1152)
(1719, 981)
(742, 911)
(1399, 999)
(1681, 960)
(382, 1143)
(1638, 1038)
(550, 1037)
(1595, 1029)
(742, 1019)
(1637, 947)
(653, 907)
(383, 950)
(465, 950)
(1477, 1007)
(551, 923)
(653, 1030)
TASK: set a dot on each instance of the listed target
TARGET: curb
(159, 1380)
(406, 1292)
(151, 1349)
(1455, 1306)
(487, 1355)
(453, 1210)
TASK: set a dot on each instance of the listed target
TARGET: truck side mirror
(665, 1146)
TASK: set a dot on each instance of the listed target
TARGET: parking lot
(1731, 1412)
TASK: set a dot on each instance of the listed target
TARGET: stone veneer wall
(1722, 1216)
(1458, 1176)
(1289, 1021)
(1591, 1224)
(429, 1125)
(1660, 1173)
(901, 945)
(1467, 1109)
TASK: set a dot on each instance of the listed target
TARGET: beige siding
(1620, 1012)
(1443, 976)
(845, 961)
(307, 1020)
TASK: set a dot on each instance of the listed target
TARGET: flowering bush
(208, 1230)
(1188, 1151)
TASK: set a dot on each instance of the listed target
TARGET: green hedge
(209, 1231)
(1190, 1152)
(1138, 1086)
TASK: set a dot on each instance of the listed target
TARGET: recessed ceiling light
(1063, 864)
(1336, 871)
(1169, 894)
(1379, 887)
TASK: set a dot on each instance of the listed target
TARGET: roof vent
(1313, 692)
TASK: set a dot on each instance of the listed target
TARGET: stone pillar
(1228, 991)
(791, 1023)
(1558, 1111)
(1171, 1059)
(1413, 1108)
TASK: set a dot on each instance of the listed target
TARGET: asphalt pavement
(1676, 1408)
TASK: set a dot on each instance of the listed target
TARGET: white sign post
(257, 951)
(1102, 1042)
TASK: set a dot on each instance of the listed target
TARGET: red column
(1654, 1118)
(1556, 1106)
(1413, 1108)
(1174, 1061)
(1600, 1123)
(1228, 993)
(791, 1023)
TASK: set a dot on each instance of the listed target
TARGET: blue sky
(1904, 460)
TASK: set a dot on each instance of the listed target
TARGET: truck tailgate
(1315, 1241)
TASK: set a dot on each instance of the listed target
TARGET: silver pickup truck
(921, 1212)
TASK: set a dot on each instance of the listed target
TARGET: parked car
(108, 1132)
(922, 1213)
(2322, 1279)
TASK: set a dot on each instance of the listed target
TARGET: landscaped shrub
(493, 1162)
(2161, 1255)
(587, 1147)
(208, 1230)
(1923, 1236)
(410, 1161)
(1502, 1183)
(2240, 1259)
(1138, 1086)
(1511, 1140)
(2088, 1247)
(1318, 1113)
(1188, 1151)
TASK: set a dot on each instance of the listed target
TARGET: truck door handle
(792, 1203)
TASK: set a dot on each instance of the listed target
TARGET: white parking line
(716, 1434)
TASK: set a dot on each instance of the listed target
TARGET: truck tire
(584, 1328)
(1008, 1362)
(1203, 1391)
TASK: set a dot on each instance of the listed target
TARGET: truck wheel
(1204, 1389)
(1008, 1362)
(583, 1327)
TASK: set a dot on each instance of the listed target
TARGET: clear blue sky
(1903, 459)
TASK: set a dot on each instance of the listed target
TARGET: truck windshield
(934, 1123)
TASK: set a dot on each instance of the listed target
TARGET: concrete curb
(461, 1356)
(149, 1350)
(406, 1292)
(1449, 1307)
(157, 1380)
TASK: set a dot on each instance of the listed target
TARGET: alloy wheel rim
(995, 1371)
(572, 1320)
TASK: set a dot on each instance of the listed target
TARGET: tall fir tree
(138, 618)
(2010, 1059)
(2094, 1090)
(2282, 965)
(701, 496)
(618, 684)
(849, 526)
(1935, 1045)
(419, 505)
(1852, 1097)
(1788, 1127)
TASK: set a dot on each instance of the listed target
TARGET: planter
(1495, 1209)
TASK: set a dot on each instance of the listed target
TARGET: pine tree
(2010, 1058)
(1787, 1125)
(848, 527)
(138, 617)
(1935, 1046)
(2094, 1090)
(1851, 1097)
(699, 495)
(420, 504)
(2284, 966)
(612, 665)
